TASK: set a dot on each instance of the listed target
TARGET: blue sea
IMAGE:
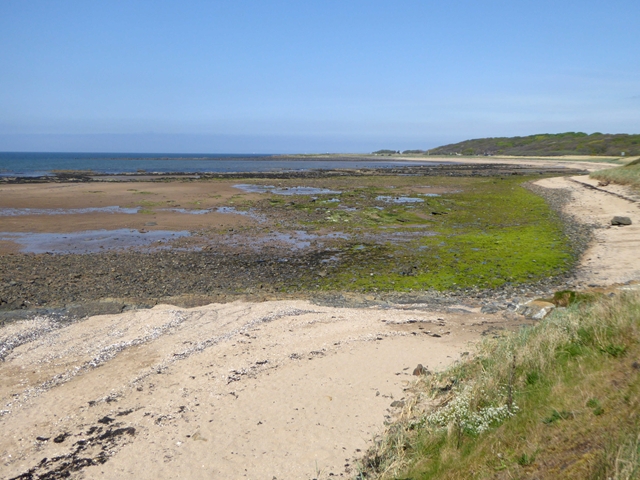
(25, 164)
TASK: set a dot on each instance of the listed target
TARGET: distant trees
(544, 144)
(404, 152)
(547, 144)
(386, 152)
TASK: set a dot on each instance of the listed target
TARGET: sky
(243, 76)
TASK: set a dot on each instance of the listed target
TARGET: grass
(628, 174)
(557, 400)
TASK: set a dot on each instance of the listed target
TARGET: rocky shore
(79, 285)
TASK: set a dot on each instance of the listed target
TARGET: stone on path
(535, 309)
(620, 221)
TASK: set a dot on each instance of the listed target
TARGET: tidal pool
(250, 188)
(18, 212)
(246, 213)
(293, 240)
(389, 199)
(90, 241)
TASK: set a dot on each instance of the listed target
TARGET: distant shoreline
(62, 165)
(48, 164)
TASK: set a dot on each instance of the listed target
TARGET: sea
(36, 164)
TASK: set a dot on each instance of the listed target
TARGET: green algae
(489, 233)
(474, 232)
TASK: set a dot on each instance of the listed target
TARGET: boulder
(620, 221)
(535, 309)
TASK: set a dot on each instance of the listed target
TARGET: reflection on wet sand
(19, 212)
(92, 241)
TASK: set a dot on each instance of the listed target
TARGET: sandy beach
(277, 389)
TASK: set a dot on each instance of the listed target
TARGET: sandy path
(614, 256)
(243, 390)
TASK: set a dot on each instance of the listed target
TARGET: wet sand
(154, 201)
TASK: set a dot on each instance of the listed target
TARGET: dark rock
(490, 308)
(620, 221)
(61, 438)
(397, 404)
(105, 307)
(115, 433)
(420, 370)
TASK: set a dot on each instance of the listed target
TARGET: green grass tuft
(572, 388)
(628, 174)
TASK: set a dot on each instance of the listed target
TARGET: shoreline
(286, 387)
(249, 256)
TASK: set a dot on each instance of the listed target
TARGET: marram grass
(557, 400)
(628, 174)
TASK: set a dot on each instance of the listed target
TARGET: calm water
(39, 164)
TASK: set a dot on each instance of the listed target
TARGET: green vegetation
(628, 174)
(565, 298)
(560, 399)
(386, 152)
(570, 143)
(484, 232)
(149, 203)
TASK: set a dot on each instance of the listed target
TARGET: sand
(281, 389)
(274, 389)
(156, 199)
(580, 162)
(614, 256)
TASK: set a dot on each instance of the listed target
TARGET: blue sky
(311, 76)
